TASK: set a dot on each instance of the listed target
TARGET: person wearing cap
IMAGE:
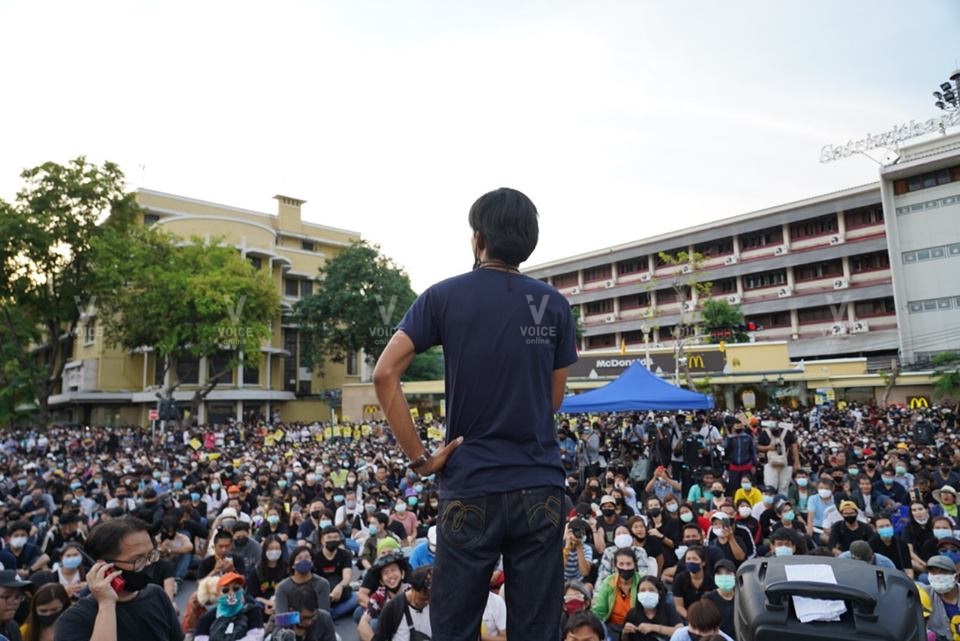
(423, 553)
(410, 610)
(66, 531)
(725, 578)
(942, 595)
(861, 551)
(135, 609)
(850, 529)
(391, 571)
(233, 619)
(11, 596)
(734, 541)
(946, 498)
(607, 524)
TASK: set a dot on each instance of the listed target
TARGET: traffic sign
(153, 415)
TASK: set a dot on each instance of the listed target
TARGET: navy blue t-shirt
(503, 334)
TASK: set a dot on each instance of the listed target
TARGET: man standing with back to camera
(507, 342)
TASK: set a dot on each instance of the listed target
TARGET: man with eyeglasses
(122, 548)
(11, 596)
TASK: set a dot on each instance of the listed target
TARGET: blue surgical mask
(373, 529)
(782, 550)
(725, 582)
(72, 562)
(885, 532)
(178, 485)
(325, 523)
(942, 533)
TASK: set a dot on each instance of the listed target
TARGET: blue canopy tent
(636, 389)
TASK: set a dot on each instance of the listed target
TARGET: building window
(725, 286)
(604, 306)
(869, 262)
(816, 315)
(714, 248)
(634, 337)
(569, 279)
(927, 180)
(660, 262)
(762, 238)
(763, 280)
(666, 333)
(188, 370)
(632, 266)
(306, 288)
(875, 307)
(351, 363)
(633, 301)
(599, 342)
(90, 333)
(291, 287)
(864, 216)
(771, 321)
(816, 271)
(217, 363)
(150, 219)
(290, 361)
(303, 389)
(595, 274)
(813, 227)
(251, 372)
(306, 245)
(256, 262)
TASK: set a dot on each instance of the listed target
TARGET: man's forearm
(105, 625)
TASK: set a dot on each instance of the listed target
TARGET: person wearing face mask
(69, 572)
(888, 486)
(695, 580)
(617, 593)
(784, 542)
(732, 539)
(66, 531)
(869, 502)
(817, 508)
(623, 540)
(310, 525)
(608, 523)
(244, 546)
(233, 619)
(577, 597)
(744, 517)
(302, 576)
(943, 596)
(270, 573)
(423, 553)
(275, 524)
(946, 498)
(47, 605)
(725, 577)
(850, 529)
(28, 556)
(653, 617)
(122, 548)
(799, 492)
(215, 497)
(335, 564)
(407, 518)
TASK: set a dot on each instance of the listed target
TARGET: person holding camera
(577, 553)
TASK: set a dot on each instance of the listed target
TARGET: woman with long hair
(48, 604)
(271, 571)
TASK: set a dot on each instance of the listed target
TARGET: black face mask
(134, 581)
(315, 515)
(332, 545)
(242, 541)
(608, 511)
(850, 519)
(626, 575)
(46, 620)
(654, 512)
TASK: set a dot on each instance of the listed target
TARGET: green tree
(49, 273)
(947, 375)
(718, 314)
(195, 300)
(426, 366)
(361, 297)
(16, 389)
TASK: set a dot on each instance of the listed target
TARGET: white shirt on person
(494, 618)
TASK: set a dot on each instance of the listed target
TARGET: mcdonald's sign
(695, 361)
(918, 402)
(371, 409)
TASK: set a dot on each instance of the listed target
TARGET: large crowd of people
(288, 527)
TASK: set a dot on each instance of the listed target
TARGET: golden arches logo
(695, 361)
(918, 401)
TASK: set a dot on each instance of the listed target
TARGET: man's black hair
(222, 533)
(105, 537)
(421, 578)
(330, 529)
(507, 221)
(304, 598)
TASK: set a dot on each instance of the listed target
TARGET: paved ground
(346, 628)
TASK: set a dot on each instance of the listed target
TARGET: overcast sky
(620, 120)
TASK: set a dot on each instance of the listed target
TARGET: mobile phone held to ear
(287, 619)
(117, 583)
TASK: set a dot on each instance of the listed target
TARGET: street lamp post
(948, 98)
(645, 329)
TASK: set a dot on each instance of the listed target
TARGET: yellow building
(104, 385)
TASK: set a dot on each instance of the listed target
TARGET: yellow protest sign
(346, 419)
(328, 433)
(428, 417)
(213, 457)
(196, 444)
(269, 441)
(365, 429)
(414, 413)
(319, 437)
(278, 435)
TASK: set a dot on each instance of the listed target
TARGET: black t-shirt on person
(726, 611)
(332, 569)
(683, 588)
(148, 617)
(666, 615)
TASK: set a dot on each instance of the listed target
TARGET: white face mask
(744, 511)
(274, 555)
(717, 531)
(18, 542)
(401, 507)
(942, 582)
(824, 493)
(623, 540)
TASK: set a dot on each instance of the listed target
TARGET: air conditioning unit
(733, 299)
(837, 329)
(795, 337)
(686, 269)
(688, 306)
(645, 278)
(610, 318)
(303, 374)
(608, 284)
(730, 260)
(784, 292)
(859, 327)
(836, 240)
(841, 283)
(781, 250)
(574, 291)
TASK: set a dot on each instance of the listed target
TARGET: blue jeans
(526, 527)
(181, 565)
(353, 546)
(344, 606)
